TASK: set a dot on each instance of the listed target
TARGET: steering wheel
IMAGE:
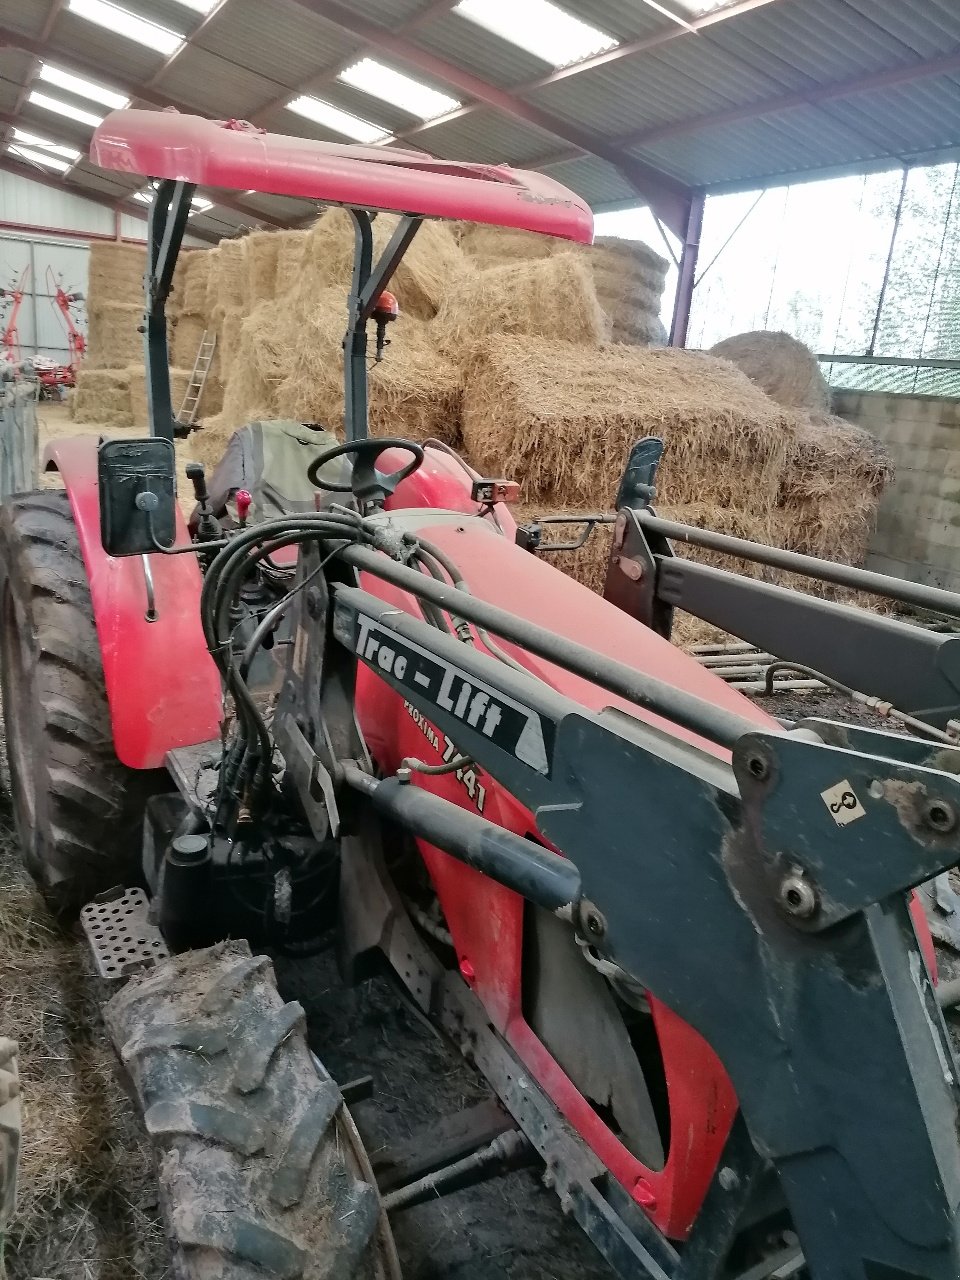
(367, 484)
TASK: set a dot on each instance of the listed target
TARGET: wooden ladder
(198, 380)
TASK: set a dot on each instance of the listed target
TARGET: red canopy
(218, 153)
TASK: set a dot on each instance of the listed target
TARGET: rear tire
(261, 1174)
(78, 810)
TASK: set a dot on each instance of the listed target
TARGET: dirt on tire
(78, 810)
(260, 1172)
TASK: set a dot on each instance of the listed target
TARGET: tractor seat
(270, 460)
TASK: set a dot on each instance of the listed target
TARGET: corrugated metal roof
(626, 96)
(596, 180)
(253, 53)
(826, 39)
(389, 13)
(471, 48)
(19, 16)
(104, 49)
(486, 137)
(214, 86)
(624, 19)
(280, 40)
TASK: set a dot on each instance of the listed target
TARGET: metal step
(120, 934)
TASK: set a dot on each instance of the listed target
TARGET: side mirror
(137, 495)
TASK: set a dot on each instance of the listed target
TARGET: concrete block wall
(918, 526)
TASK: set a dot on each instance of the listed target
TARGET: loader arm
(762, 897)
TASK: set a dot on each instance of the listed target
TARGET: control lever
(244, 501)
(208, 526)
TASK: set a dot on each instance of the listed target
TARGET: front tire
(261, 1172)
(78, 810)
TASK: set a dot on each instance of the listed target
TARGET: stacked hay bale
(834, 472)
(536, 356)
(111, 386)
(564, 419)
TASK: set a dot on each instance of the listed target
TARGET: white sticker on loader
(843, 804)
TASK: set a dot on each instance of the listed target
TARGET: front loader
(676, 936)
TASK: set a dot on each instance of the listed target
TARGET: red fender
(162, 685)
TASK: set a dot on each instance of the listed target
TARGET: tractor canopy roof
(238, 155)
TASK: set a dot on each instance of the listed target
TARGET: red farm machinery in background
(676, 936)
(11, 298)
(57, 378)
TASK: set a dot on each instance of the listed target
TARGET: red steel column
(688, 271)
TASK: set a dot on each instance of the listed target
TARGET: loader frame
(755, 880)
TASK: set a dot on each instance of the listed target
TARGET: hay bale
(259, 252)
(483, 242)
(432, 265)
(629, 279)
(830, 488)
(226, 282)
(562, 420)
(298, 361)
(116, 273)
(179, 381)
(188, 332)
(544, 297)
(102, 396)
(225, 325)
(780, 365)
(113, 334)
(211, 401)
(290, 252)
(191, 291)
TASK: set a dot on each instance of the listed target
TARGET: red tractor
(675, 935)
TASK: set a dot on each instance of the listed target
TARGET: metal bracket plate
(121, 937)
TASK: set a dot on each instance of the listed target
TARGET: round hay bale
(780, 365)
(290, 252)
(550, 298)
(562, 420)
(188, 332)
(114, 339)
(432, 265)
(115, 273)
(260, 250)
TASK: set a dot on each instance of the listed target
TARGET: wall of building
(42, 227)
(918, 527)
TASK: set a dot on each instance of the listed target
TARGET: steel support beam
(667, 197)
(889, 78)
(53, 13)
(688, 272)
(629, 49)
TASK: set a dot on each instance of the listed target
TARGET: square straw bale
(561, 420)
